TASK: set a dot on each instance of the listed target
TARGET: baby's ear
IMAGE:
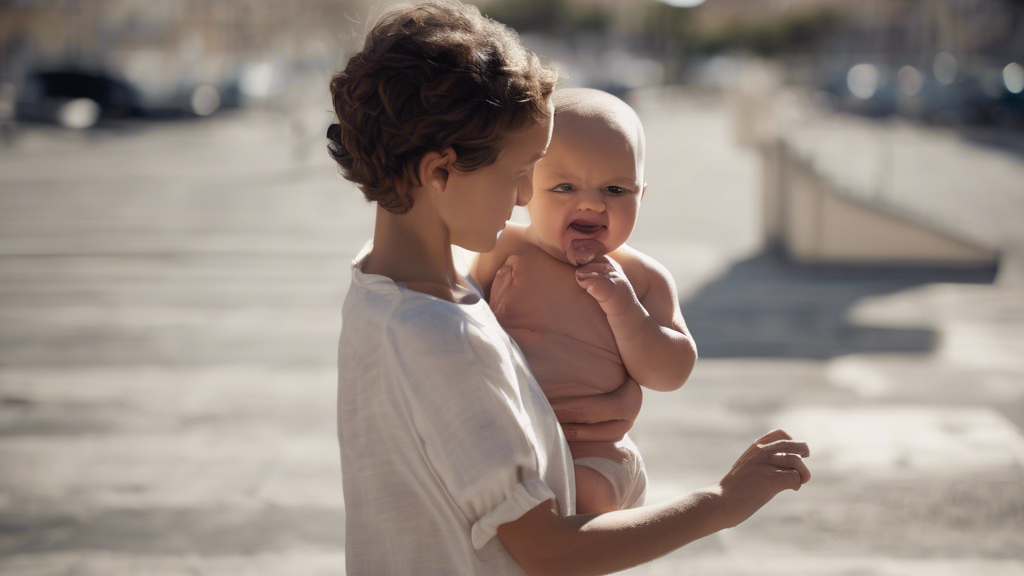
(642, 191)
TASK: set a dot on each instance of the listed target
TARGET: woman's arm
(544, 543)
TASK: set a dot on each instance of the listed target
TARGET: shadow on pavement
(769, 306)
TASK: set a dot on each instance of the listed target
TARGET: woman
(453, 461)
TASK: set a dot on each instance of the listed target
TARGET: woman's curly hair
(433, 76)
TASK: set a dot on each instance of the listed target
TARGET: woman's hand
(601, 417)
(772, 464)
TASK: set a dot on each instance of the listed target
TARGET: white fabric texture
(628, 478)
(444, 434)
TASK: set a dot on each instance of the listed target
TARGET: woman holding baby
(453, 460)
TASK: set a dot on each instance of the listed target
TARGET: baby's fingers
(596, 284)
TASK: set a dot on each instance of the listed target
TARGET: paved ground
(169, 307)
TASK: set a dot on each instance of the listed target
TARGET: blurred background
(836, 187)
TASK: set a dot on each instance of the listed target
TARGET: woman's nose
(524, 189)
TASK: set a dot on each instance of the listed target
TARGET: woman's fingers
(790, 479)
(575, 409)
(610, 431)
(773, 436)
(791, 462)
(623, 403)
(787, 447)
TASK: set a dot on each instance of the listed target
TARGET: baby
(587, 310)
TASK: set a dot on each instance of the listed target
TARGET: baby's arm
(652, 337)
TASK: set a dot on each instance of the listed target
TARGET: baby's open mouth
(586, 226)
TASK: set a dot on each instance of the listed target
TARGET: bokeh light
(1013, 77)
(260, 80)
(79, 114)
(863, 80)
(910, 80)
(945, 68)
(205, 100)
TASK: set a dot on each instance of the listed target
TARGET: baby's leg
(594, 493)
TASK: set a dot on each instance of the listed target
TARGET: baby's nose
(591, 200)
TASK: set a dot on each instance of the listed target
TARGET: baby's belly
(565, 366)
(561, 329)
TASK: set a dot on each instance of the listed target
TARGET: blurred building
(965, 26)
(168, 57)
(172, 34)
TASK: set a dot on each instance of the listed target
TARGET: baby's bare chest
(561, 329)
(534, 291)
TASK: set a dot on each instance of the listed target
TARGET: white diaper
(628, 477)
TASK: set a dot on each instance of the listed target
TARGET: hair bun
(334, 133)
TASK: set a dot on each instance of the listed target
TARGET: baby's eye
(616, 191)
(563, 188)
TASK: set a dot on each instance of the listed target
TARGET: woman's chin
(480, 245)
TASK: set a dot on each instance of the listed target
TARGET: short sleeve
(459, 383)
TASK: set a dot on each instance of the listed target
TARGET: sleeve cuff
(525, 497)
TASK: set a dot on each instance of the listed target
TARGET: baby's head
(587, 189)
(440, 78)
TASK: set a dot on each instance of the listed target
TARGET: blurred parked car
(967, 97)
(75, 99)
(962, 102)
(80, 99)
(865, 88)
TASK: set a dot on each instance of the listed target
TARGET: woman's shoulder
(425, 314)
(384, 320)
(437, 326)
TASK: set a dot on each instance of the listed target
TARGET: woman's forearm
(543, 543)
(605, 543)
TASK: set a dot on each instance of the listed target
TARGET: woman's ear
(434, 168)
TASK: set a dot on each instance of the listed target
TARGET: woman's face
(476, 204)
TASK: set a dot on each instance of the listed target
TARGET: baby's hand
(604, 279)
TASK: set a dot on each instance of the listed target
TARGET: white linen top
(444, 434)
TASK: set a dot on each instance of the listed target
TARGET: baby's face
(587, 187)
